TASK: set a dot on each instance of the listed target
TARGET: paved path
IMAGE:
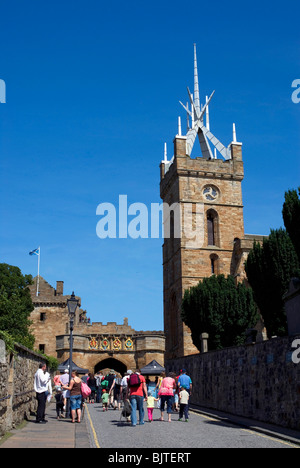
(54, 434)
(108, 431)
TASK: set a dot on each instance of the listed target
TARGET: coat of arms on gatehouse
(104, 344)
(117, 344)
(111, 343)
(93, 344)
(129, 344)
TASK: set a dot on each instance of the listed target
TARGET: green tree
(222, 309)
(291, 217)
(15, 304)
(269, 268)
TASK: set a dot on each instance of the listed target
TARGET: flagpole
(38, 277)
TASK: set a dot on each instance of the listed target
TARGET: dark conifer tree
(291, 217)
(269, 269)
(222, 309)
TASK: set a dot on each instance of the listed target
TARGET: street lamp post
(72, 304)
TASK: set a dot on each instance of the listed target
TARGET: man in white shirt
(40, 386)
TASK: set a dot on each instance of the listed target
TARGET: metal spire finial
(196, 86)
(179, 126)
(198, 128)
(234, 134)
(207, 116)
(165, 153)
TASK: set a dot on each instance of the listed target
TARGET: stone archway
(111, 363)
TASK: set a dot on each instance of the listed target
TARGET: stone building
(96, 346)
(209, 189)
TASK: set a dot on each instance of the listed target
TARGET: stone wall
(258, 381)
(17, 398)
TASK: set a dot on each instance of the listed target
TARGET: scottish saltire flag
(35, 252)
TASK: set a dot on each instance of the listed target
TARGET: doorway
(111, 363)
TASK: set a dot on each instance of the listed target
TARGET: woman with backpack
(137, 392)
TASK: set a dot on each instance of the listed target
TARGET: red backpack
(134, 380)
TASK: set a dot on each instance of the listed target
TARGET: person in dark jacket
(92, 383)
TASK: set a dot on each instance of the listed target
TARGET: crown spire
(197, 127)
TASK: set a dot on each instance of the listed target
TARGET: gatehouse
(96, 346)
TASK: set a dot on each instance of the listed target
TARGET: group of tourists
(171, 392)
(174, 394)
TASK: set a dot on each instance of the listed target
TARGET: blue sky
(93, 93)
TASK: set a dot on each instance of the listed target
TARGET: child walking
(183, 404)
(59, 403)
(150, 406)
(105, 397)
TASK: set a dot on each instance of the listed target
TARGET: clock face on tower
(210, 193)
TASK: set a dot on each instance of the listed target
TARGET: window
(212, 228)
(172, 229)
(42, 348)
(214, 264)
(210, 193)
(42, 316)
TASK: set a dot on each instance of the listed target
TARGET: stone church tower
(211, 186)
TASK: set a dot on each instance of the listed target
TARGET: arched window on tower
(171, 239)
(172, 228)
(173, 317)
(214, 264)
(212, 228)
